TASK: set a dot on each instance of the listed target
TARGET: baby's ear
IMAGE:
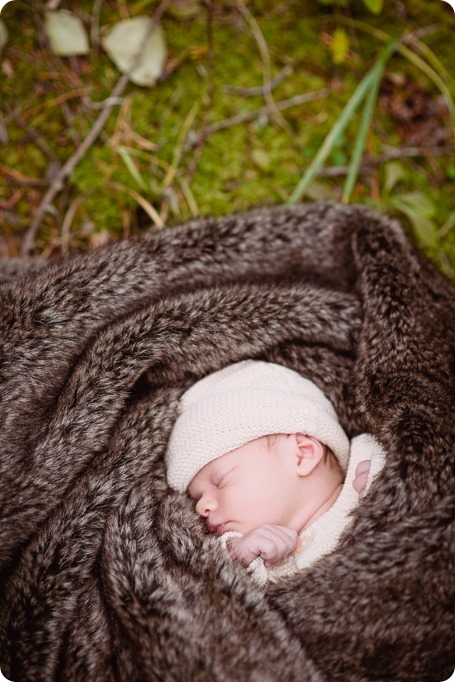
(310, 453)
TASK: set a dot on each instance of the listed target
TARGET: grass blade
(434, 70)
(146, 205)
(337, 129)
(361, 137)
(131, 166)
(331, 138)
(367, 115)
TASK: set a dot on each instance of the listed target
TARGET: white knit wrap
(241, 402)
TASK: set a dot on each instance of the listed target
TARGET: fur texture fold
(105, 574)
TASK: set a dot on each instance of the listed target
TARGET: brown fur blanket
(105, 573)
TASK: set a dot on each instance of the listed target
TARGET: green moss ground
(257, 162)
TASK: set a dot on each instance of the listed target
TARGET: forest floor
(249, 92)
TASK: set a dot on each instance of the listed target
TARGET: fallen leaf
(394, 173)
(419, 202)
(419, 210)
(123, 42)
(66, 33)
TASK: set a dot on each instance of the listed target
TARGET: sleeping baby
(261, 451)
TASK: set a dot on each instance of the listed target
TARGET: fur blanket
(105, 573)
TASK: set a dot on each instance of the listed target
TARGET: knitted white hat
(241, 402)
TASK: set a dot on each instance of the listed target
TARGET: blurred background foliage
(249, 94)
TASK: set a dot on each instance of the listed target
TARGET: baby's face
(250, 486)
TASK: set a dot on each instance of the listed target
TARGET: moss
(258, 162)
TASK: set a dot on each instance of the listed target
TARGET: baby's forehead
(218, 464)
(251, 446)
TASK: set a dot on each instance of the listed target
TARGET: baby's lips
(221, 528)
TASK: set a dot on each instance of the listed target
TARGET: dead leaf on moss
(123, 42)
(66, 33)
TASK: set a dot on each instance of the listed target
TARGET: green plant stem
(361, 138)
(367, 115)
(337, 129)
(331, 138)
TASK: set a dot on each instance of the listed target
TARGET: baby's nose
(205, 505)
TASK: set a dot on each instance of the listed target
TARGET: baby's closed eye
(219, 481)
(221, 478)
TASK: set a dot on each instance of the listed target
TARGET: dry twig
(95, 131)
(17, 178)
(245, 116)
(265, 56)
(259, 90)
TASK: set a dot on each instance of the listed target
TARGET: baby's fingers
(275, 542)
(283, 532)
(361, 477)
(363, 467)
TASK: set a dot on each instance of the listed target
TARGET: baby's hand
(270, 542)
(361, 477)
